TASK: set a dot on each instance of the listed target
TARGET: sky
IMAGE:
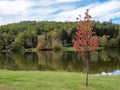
(14, 11)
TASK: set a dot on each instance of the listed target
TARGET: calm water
(100, 61)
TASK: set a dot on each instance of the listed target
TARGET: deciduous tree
(85, 39)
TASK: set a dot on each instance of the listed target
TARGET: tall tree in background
(85, 40)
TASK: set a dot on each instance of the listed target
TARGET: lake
(100, 61)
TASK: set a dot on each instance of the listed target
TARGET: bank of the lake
(63, 49)
(48, 80)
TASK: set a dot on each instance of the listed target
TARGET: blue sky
(12, 11)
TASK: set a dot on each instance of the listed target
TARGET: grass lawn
(63, 49)
(73, 49)
(48, 80)
(68, 49)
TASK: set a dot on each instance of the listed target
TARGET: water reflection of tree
(59, 61)
(69, 61)
(30, 61)
(17, 61)
(44, 60)
(108, 61)
(6, 61)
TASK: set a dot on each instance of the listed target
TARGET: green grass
(73, 49)
(31, 50)
(48, 80)
(68, 49)
(63, 49)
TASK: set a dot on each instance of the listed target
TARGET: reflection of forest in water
(61, 61)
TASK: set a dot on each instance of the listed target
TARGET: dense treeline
(49, 35)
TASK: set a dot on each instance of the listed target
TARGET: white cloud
(99, 11)
(71, 15)
(11, 11)
(12, 7)
(106, 11)
(50, 2)
(58, 10)
(17, 10)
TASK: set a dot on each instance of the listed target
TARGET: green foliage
(106, 28)
(113, 43)
(40, 38)
(27, 32)
(108, 42)
(64, 37)
(57, 45)
(17, 47)
(118, 39)
(1, 45)
(104, 41)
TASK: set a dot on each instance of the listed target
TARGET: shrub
(41, 45)
(44, 45)
(17, 47)
(103, 41)
(113, 43)
(57, 45)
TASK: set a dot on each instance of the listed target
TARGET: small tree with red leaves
(84, 39)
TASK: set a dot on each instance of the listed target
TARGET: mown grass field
(49, 80)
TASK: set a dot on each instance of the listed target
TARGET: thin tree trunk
(87, 60)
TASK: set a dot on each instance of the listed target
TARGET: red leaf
(84, 38)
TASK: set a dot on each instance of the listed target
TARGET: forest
(49, 35)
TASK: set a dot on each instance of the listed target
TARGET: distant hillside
(25, 34)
